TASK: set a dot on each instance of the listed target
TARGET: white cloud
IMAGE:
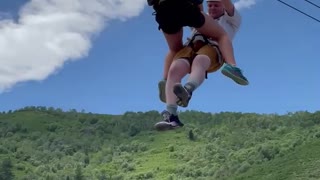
(241, 4)
(49, 33)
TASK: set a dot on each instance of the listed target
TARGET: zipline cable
(313, 3)
(300, 11)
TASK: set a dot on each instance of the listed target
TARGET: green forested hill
(47, 143)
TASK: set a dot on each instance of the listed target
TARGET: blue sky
(116, 66)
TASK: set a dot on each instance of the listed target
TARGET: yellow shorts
(199, 48)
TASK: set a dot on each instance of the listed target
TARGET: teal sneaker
(162, 90)
(235, 74)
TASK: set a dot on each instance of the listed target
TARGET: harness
(191, 43)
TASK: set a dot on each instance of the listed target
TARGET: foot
(183, 95)
(169, 122)
(162, 90)
(235, 74)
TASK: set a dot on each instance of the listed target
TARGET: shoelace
(166, 116)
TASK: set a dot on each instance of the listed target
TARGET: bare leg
(178, 70)
(175, 43)
(212, 29)
(198, 71)
(167, 63)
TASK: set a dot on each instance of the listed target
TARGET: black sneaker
(169, 122)
(183, 95)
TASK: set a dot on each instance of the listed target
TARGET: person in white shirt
(201, 55)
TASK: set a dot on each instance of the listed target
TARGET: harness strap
(190, 43)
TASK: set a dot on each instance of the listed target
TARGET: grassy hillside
(303, 163)
(47, 143)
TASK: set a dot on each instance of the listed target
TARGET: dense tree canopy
(49, 143)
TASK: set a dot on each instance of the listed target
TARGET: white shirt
(230, 24)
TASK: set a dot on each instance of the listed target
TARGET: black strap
(190, 43)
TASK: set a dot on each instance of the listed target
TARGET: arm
(233, 17)
(229, 7)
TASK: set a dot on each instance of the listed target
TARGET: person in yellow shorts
(198, 59)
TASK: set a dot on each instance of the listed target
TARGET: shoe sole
(181, 93)
(162, 93)
(234, 78)
(161, 126)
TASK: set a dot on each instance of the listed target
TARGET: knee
(178, 68)
(202, 61)
(173, 69)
